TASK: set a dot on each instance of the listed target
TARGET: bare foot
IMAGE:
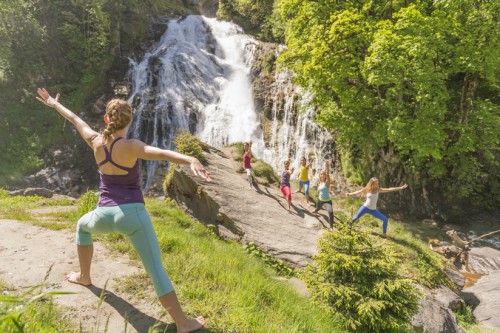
(191, 325)
(76, 277)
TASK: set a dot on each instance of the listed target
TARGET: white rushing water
(197, 77)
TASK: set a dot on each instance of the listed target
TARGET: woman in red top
(247, 157)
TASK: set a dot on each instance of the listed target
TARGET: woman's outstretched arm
(87, 133)
(393, 189)
(145, 152)
(356, 192)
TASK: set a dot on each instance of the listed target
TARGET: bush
(357, 280)
(88, 202)
(188, 144)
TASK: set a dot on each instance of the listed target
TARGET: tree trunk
(471, 82)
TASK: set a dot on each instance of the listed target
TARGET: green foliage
(31, 311)
(465, 316)
(87, 203)
(278, 265)
(187, 144)
(356, 279)
(260, 18)
(411, 89)
(265, 172)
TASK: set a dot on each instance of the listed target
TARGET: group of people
(121, 208)
(324, 201)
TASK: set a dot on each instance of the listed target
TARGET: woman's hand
(198, 169)
(404, 186)
(46, 99)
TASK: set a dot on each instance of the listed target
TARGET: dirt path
(29, 253)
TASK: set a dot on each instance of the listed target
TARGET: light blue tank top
(323, 192)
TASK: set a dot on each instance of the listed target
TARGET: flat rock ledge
(248, 215)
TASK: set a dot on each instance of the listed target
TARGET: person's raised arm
(87, 133)
(310, 162)
(249, 152)
(393, 189)
(145, 152)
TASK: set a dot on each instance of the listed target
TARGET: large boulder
(483, 260)
(259, 216)
(484, 296)
(434, 317)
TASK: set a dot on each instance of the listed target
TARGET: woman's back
(119, 152)
(119, 180)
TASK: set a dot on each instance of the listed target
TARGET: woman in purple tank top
(121, 203)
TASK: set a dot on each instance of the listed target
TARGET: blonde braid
(119, 113)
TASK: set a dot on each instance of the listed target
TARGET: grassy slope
(235, 291)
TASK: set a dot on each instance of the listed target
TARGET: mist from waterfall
(198, 78)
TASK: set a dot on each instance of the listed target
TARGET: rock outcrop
(483, 260)
(484, 296)
(258, 216)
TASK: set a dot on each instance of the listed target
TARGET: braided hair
(119, 113)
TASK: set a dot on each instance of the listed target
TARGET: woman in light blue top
(372, 190)
(324, 197)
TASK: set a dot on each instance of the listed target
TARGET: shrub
(357, 280)
(188, 144)
(265, 171)
(88, 202)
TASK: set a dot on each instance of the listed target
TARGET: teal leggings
(131, 220)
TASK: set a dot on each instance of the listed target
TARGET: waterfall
(197, 77)
(293, 132)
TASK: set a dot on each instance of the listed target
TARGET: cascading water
(198, 78)
(293, 133)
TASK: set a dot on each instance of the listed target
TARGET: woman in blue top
(372, 190)
(324, 197)
(121, 203)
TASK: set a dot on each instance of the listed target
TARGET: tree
(357, 280)
(410, 89)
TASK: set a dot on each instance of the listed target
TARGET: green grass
(235, 291)
(422, 265)
(31, 311)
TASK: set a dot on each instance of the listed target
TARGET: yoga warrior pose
(304, 177)
(247, 157)
(285, 184)
(372, 190)
(121, 203)
(324, 197)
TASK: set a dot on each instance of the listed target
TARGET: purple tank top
(285, 178)
(119, 189)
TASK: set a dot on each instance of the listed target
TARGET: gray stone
(41, 192)
(484, 296)
(258, 215)
(483, 260)
(448, 298)
(455, 276)
(434, 317)
(16, 193)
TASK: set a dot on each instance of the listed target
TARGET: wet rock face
(206, 7)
